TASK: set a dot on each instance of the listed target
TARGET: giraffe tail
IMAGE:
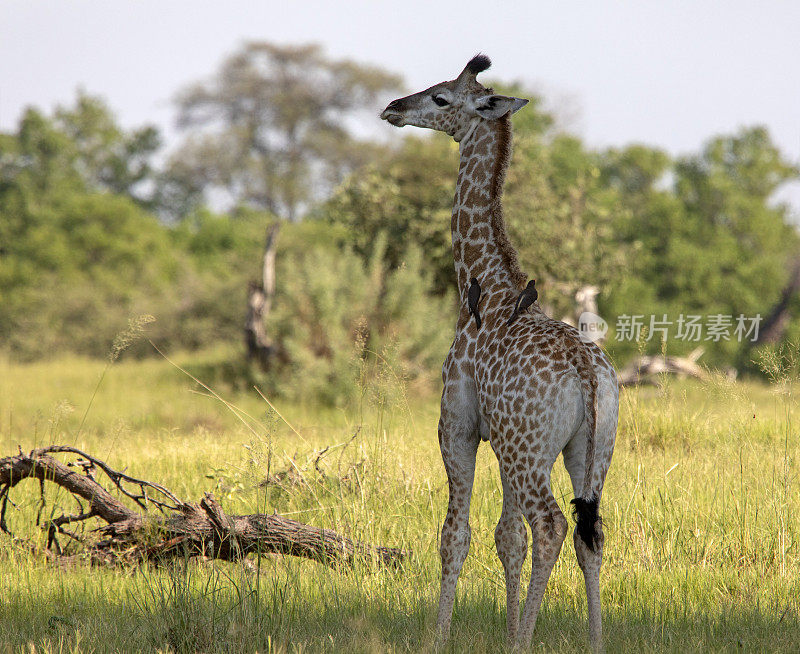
(586, 506)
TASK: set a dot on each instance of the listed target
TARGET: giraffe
(531, 388)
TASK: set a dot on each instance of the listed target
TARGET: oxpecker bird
(473, 299)
(525, 300)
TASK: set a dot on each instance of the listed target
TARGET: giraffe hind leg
(588, 539)
(588, 534)
(590, 561)
(548, 530)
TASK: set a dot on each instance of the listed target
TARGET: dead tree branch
(777, 321)
(181, 529)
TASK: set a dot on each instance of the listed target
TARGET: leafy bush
(335, 317)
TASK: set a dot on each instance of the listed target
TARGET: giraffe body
(531, 388)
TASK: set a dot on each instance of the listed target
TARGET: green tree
(79, 147)
(76, 259)
(38, 160)
(407, 195)
(108, 157)
(563, 219)
(75, 271)
(272, 128)
(704, 235)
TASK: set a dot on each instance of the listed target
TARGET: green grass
(702, 536)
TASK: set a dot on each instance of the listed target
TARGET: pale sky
(666, 73)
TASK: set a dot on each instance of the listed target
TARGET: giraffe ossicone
(531, 387)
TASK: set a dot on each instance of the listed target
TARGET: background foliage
(97, 224)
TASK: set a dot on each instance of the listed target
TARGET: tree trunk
(182, 529)
(259, 302)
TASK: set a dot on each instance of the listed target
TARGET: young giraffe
(532, 388)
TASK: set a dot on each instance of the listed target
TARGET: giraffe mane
(497, 220)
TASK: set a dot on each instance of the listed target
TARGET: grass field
(702, 532)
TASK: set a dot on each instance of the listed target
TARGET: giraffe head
(453, 107)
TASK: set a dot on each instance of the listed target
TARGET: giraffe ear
(491, 107)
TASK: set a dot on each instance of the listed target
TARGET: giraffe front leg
(459, 447)
(511, 540)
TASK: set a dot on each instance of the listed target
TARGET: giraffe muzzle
(392, 117)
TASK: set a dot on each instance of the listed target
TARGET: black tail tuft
(587, 516)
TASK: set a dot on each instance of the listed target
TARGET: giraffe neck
(481, 248)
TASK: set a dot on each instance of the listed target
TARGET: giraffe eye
(439, 100)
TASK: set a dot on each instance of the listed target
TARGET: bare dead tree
(133, 535)
(259, 304)
(777, 321)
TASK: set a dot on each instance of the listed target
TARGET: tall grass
(702, 539)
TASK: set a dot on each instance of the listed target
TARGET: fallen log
(128, 535)
(646, 369)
